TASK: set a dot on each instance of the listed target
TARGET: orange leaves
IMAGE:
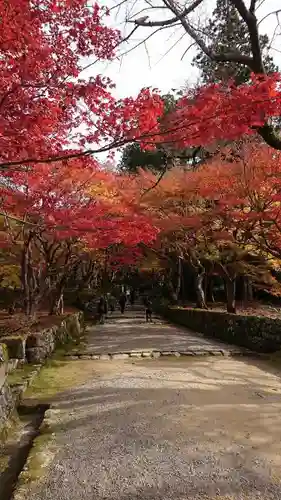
(77, 200)
(235, 197)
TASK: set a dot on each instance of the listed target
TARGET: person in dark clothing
(105, 306)
(102, 309)
(111, 303)
(122, 303)
(132, 297)
(148, 310)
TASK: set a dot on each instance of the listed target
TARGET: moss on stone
(57, 376)
(15, 345)
(4, 461)
(39, 458)
(21, 374)
(69, 346)
(4, 352)
(9, 429)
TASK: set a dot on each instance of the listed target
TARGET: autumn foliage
(55, 215)
(221, 219)
(45, 94)
(66, 219)
(51, 109)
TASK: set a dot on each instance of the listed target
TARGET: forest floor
(254, 308)
(20, 323)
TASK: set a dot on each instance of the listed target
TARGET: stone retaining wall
(258, 333)
(37, 346)
(32, 348)
(6, 399)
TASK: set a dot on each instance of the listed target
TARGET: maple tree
(248, 195)
(50, 111)
(213, 112)
(218, 220)
(44, 98)
(60, 212)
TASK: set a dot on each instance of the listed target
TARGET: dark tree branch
(253, 6)
(270, 136)
(250, 19)
(255, 63)
(168, 22)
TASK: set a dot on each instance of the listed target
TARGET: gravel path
(132, 333)
(168, 429)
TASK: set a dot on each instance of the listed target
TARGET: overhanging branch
(168, 22)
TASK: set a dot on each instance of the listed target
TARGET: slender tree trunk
(210, 293)
(250, 290)
(206, 284)
(247, 289)
(60, 307)
(230, 295)
(57, 304)
(27, 278)
(199, 288)
(24, 279)
(183, 291)
(179, 278)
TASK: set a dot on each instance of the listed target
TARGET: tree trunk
(57, 304)
(230, 295)
(179, 277)
(27, 279)
(250, 290)
(199, 287)
(206, 284)
(210, 293)
(247, 289)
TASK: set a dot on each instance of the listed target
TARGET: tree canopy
(225, 30)
(65, 219)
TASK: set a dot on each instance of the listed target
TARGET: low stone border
(19, 388)
(40, 456)
(36, 346)
(157, 354)
(256, 333)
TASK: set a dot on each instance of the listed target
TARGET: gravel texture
(132, 333)
(188, 428)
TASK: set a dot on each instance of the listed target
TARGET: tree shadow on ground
(204, 429)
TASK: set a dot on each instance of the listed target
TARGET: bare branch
(187, 49)
(168, 22)
(275, 12)
(155, 184)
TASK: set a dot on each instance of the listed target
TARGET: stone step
(153, 353)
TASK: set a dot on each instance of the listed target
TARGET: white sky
(149, 66)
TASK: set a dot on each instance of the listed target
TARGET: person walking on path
(102, 309)
(122, 303)
(148, 310)
(132, 297)
(111, 303)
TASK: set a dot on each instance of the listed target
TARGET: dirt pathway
(187, 428)
(130, 332)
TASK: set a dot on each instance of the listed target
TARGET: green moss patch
(21, 374)
(57, 376)
(11, 428)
